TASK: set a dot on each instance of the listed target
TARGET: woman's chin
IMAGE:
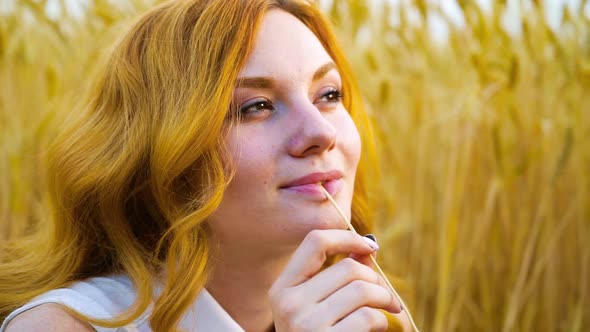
(320, 219)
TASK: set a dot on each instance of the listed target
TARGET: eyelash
(336, 97)
(336, 92)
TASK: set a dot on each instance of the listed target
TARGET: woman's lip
(314, 179)
(314, 190)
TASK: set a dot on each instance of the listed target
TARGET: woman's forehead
(284, 48)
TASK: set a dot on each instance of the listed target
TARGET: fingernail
(371, 242)
(372, 237)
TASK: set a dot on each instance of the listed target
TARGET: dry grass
(485, 145)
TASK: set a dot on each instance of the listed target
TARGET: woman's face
(294, 134)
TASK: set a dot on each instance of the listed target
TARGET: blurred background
(482, 119)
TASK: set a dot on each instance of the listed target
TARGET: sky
(437, 25)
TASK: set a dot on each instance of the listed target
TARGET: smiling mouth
(312, 183)
(315, 190)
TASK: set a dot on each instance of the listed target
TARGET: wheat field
(483, 196)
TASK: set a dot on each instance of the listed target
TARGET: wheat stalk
(351, 228)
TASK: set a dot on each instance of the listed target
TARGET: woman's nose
(313, 132)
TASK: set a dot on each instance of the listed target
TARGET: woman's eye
(257, 107)
(332, 96)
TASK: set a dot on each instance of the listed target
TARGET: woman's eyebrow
(323, 70)
(269, 83)
(255, 82)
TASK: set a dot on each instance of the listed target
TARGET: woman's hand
(344, 297)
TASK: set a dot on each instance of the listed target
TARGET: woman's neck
(240, 284)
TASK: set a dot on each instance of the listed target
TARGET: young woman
(187, 193)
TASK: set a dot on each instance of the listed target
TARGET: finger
(337, 276)
(310, 256)
(374, 239)
(355, 295)
(362, 319)
(364, 259)
(400, 322)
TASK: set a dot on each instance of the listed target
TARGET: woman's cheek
(351, 140)
(255, 160)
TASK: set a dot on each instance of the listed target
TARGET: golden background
(484, 194)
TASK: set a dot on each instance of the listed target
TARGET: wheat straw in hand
(351, 228)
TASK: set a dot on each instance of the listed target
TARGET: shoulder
(47, 317)
(99, 298)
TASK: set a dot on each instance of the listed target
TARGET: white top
(107, 297)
